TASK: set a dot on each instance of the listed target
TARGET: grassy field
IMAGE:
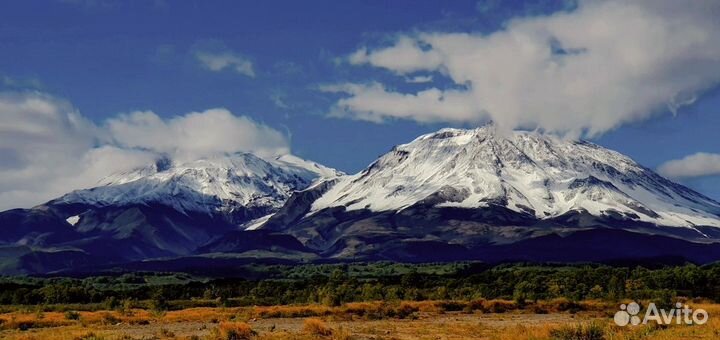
(360, 301)
(479, 319)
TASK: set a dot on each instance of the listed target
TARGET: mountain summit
(239, 186)
(450, 195)
(529, 173)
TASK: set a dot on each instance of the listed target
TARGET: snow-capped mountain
(166, 209)
(219, 184)
(454, 194)
(482, 194)
(527, 172)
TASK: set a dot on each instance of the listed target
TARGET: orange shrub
(450, 305)
(362, 308)
(477, 304)
(26, 321)
(406, 309)
(316, 326)
(498, 306)
(292, 311)
(233, 331)
(198, 314)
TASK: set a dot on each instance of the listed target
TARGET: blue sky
(106, 58)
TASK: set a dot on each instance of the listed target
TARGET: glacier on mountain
(528, 172)
(215, 184)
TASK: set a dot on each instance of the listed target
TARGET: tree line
(341, 283)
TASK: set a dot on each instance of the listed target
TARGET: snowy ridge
(222, 183)
(527, 172)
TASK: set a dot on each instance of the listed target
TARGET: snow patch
(256, 223)
(73, 220)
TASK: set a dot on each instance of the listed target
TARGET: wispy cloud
(696, 165)
(419, 79)
(278, 99)
(287, 68)
(226, 61)
(373, 102)
(20, 83)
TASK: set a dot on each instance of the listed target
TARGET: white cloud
(695, 165)
(581, 72)
(373, 102)
(196, 134)
(226, 60)
(47, 148)
(406, 56)
(419, 79)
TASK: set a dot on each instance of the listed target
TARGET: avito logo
(630, 315)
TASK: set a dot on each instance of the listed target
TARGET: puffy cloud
(220, 61)
(375, 103)
(695, 165)
(406, 56)
(47, 148)
(586, 71)
(196, 134)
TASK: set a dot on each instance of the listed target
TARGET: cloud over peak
(582, 72)
(373, 102)
(196, 134)
(47, 148)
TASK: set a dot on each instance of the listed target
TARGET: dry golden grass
(491, 320)
(292, 311)
(232, 331)
(610, 331)
(521, 331)
(202, 314)
(315, 326)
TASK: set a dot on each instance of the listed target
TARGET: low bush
(498, 306)
(292, 311)
(233, 331)
(405, 310)
(109, 319)
(317, 327)
(72, 315)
